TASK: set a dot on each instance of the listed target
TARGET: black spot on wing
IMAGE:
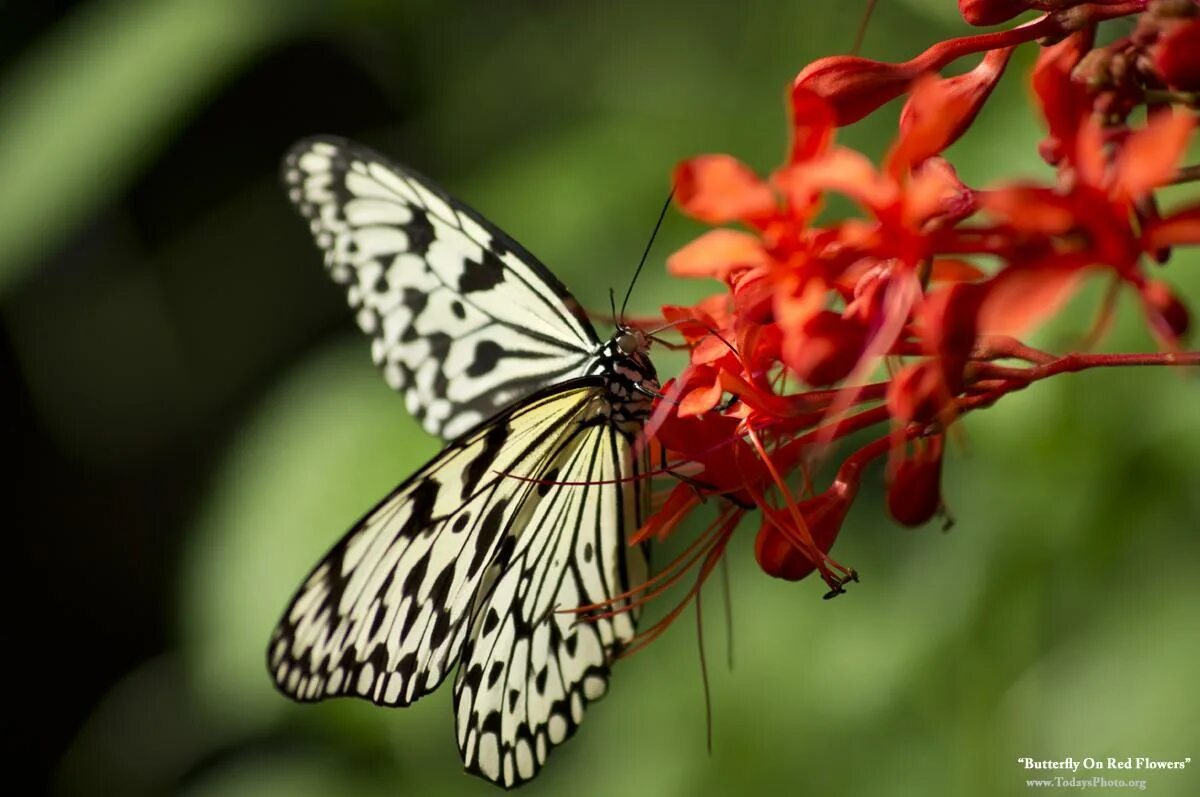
(493, 442)
(494, 673)
(441, 588)
(441, 629)
(423, 499)
(420, 232)
(488, 529)
(407, 666)
(487, 356)
(412, 582)
(504, 555)
(415, 301)
(547, 481)
(481, 275)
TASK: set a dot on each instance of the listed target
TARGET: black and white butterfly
(478, 558)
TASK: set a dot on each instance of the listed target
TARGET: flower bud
(914, 492)
(1177, 57)
(1168, 314)
(991, 12)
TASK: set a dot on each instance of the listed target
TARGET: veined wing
(529, 668)
(384, 615)
(464, 321)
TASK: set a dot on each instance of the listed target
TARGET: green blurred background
(196, 418)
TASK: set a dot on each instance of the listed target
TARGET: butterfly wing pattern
(479, 559)
(463, 320)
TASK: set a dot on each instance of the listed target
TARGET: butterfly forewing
(463, 320)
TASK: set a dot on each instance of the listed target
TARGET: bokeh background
(193, 418)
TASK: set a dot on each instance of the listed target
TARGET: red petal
(700, 400)
(1030, 209)
(825, 348)
(1065, 103)
(917, 392)
(948, 269)
(716, 253)
(812, 124)
(1150, 156)
(1178, 228)
(719, 189)
(1020, 298)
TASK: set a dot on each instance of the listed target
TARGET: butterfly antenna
(612, 304)
(662, 215)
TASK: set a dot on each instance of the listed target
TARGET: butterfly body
(490, 557)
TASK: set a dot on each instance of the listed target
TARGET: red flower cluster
(931, 285)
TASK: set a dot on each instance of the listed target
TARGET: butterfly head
(630, 341)
(625, 363)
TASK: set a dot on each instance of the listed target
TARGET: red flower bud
(853, 86)
(914, 492)
(1168, 315)
(940, 110)
(823, 514)
(1177, 57)
(992, 12)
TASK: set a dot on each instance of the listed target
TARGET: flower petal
(1018, 299)
(720, 188)
(1150, 156)
(716, 253)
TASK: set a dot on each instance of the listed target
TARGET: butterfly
(478, 559)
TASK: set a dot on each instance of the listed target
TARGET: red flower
(929, 284)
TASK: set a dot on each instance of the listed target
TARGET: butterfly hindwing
(531, 662)
(383, 616)
(464, 321)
